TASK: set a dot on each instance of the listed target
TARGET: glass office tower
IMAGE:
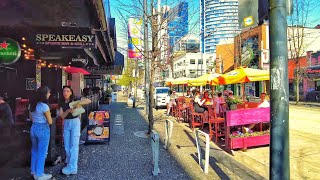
(218, 22)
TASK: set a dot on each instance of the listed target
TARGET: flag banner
(135, 41)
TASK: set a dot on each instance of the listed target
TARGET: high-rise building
(218, 22)
(177, 22)
(188, 44)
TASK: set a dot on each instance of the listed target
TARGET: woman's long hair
(71, 96)
(40, 96)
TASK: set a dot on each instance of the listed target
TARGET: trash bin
(114, 96)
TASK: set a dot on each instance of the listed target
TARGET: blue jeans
(71, 137)
(40, 136)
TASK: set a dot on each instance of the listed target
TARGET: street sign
(10, 51)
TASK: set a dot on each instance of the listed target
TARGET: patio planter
(245, 142)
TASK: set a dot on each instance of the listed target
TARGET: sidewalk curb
(304, 104)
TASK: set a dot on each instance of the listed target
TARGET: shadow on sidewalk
(127, 156)
(218, 155)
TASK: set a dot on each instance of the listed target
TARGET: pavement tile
(126, 157)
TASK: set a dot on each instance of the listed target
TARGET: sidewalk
(126, 157)
(183, 149)
(254, 163)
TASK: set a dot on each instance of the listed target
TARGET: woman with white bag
(70, 111)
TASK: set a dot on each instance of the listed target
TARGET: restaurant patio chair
(173, 110)
(187, 104)
(216, 125)
(180, 110)
(196, 118)
(21, 111)
(222, 110)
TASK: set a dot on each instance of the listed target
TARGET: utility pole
(146, 56)
(279, 92)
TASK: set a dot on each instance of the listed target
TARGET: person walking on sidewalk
(71, 131)
(40, 132)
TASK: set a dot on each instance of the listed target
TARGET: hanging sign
(65, 40)
(10, 51)
(79, 61)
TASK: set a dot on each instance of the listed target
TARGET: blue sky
(314, 15)
(121, 34)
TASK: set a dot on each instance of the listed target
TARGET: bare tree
(158, 20)
(297, 36)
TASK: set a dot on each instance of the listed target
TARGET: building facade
(193, 65)
(188, 43)
(218, 21)
(224, 57)
(52, 43)
(177, 22)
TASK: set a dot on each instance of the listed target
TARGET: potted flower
(232, 103)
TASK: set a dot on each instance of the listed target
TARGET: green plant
(256, 133)
(108, 92)
(230, 101)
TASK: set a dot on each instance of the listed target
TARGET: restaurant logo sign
(66, 40)
(232, 73)
(79, 61)
(248, 21)
(10, 51)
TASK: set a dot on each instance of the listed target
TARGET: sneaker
(67, 172)
(43, 177)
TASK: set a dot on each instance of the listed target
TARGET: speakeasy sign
(66, 40)
(10, 51)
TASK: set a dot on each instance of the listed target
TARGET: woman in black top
(71, 131)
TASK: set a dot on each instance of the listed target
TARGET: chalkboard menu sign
(98, 128)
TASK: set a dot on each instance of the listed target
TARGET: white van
(160, 94)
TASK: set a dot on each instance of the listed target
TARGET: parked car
(160, 94)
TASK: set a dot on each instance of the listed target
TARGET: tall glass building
(218, 22)
(178, 22)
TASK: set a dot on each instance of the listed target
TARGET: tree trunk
(297, 87)
(151, 98)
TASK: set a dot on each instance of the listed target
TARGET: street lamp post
(279, 91)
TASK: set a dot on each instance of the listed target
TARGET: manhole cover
(141, 134)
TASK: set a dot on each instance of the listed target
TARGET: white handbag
(76, 111)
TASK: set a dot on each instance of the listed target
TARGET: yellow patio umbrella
(242, 75)
(169, 82)
(178, 81)
(203, 80)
